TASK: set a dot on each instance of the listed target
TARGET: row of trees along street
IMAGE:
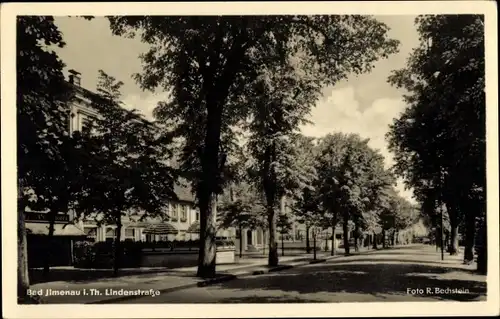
(240, 88)
(439, 141)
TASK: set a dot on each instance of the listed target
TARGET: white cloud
(340, 112)
(144, 104)
(337, 112)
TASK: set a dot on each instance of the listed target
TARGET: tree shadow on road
(439, 264)
(375, 278)
(82, 276)
(268, 299)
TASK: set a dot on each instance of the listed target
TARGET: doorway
(249, 238)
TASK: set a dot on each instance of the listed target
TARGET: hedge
(100, 255)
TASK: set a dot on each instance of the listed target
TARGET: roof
(184, 192)
(83, 92)
(194, 228)
(59, 229)
(161, 229)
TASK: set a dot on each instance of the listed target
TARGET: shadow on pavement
(267, 299)
(375, 277)
(81, 276)
(439, 264)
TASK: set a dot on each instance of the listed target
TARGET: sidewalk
(107, 290)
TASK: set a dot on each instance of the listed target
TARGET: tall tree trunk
(265, 244)
(208, 185)
(207, 254)
(356, 236)
(333, 239)
(118, 246)
(482, 254)
(345, 229)
(470, 234)
(383, 239)
(23, 282)
(453, 239)
(438, 238)
(282, 246)
(269, 183)
(314, 243)
(273, 245)
(49, 247)
(374, 240)
(241, 240)
(282, 231)
(308, 244)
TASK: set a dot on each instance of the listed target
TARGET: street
(413, 273)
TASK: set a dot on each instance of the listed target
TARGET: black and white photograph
(218, 157)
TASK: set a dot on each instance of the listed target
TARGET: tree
(303, 202)
(278, 173)
(305, 209)
(41, 115)
(284, 226)
(281, 101)
(59, 188)
(351, 177)
(445, 119)
(126, 172)
(208, 63)
(243, 209)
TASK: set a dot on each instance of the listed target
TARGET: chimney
(74, 77)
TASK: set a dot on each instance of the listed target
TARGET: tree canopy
(445, 117)
(211, 63)
(41, 120)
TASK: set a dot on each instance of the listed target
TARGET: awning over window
(59, 229)
(194, 228)
(161, 229)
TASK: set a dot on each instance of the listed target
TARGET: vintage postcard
(198, 159)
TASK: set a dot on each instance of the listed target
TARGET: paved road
(398, 274)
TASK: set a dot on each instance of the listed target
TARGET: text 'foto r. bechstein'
(251, 159)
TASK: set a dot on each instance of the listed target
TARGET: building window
(110, 234)
(168, 210)
(86, 124)
(91, 233)
(175, 214)
(130, 233)
(197, 215)
(184, 213)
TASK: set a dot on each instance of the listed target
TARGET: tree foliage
(40, 96)
(445, 118)
(242, 208)
(126, 172)
(209, 62)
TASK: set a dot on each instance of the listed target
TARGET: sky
(365, 104)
